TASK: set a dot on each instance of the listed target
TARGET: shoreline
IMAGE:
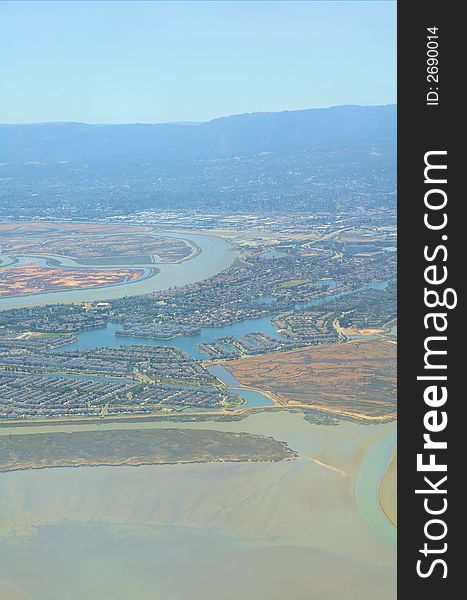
(73, 261)
(229, 414)
(387, 486)
(152, 463)
(375, 463)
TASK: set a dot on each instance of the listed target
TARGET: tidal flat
(221, 531)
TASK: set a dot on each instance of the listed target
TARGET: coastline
(373, 468)
(220, 499)
(387, 491)
(86, 465)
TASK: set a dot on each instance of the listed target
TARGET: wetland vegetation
(136, 447)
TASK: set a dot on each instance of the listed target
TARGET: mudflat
(285, 529)
(33, 278)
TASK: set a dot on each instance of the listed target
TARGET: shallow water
(116, 565)
(204, 531)
(308, 529)
(367, 485)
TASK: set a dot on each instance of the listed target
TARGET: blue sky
(153, 62)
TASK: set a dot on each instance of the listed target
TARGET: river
(215, 255)
(308, 528)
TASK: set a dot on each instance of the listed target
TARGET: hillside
(309, 159)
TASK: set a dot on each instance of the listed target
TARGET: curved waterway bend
(215, 255)
(367, 483)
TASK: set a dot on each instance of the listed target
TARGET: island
(135, 447)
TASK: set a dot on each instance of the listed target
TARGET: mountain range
(258, 160)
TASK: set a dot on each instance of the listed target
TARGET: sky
(156, 62)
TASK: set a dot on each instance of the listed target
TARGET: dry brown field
(357, 378)
(89, 240)
(32, 278)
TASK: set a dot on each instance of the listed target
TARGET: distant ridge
(247, 133)
(321, 159)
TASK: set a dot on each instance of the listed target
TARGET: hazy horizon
(164, 62)
(188, 123)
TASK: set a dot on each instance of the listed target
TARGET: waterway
(252, 398)
(215, 255)
(367, 483)
(224, 375)
(266, 530)
(105, 337)
(373, 285)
